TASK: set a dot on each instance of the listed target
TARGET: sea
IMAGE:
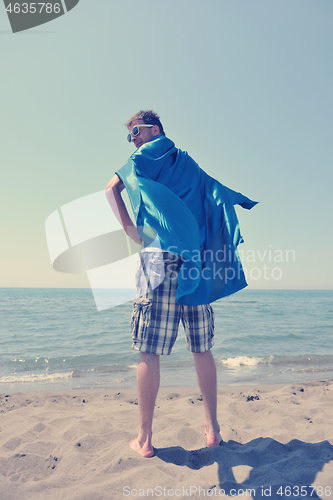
(56, 339)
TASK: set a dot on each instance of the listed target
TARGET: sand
(278, 443)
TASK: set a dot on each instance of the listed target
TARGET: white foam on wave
(241, 361)
(34, 377)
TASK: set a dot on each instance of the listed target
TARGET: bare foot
(145, 451)
(214, 438)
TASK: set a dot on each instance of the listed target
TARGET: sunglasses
(136, 131)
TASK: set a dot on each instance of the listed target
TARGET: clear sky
(245, 86)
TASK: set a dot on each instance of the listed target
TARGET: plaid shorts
(156, 314)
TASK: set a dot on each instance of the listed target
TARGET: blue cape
(193, 216)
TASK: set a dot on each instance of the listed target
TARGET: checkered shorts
(156, 314)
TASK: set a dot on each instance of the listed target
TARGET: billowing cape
(193, 216)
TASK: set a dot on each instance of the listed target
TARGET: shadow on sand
(278, 471)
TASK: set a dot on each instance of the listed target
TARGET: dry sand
(278, 442)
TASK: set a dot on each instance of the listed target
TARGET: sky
(245, 86)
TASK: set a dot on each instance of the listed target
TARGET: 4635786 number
(303, 491)
(33, 8)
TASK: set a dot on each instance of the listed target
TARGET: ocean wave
(34, 377)
(241, 361)
(302, 362)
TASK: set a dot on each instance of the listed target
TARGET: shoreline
(168, 379)
(73, 444)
